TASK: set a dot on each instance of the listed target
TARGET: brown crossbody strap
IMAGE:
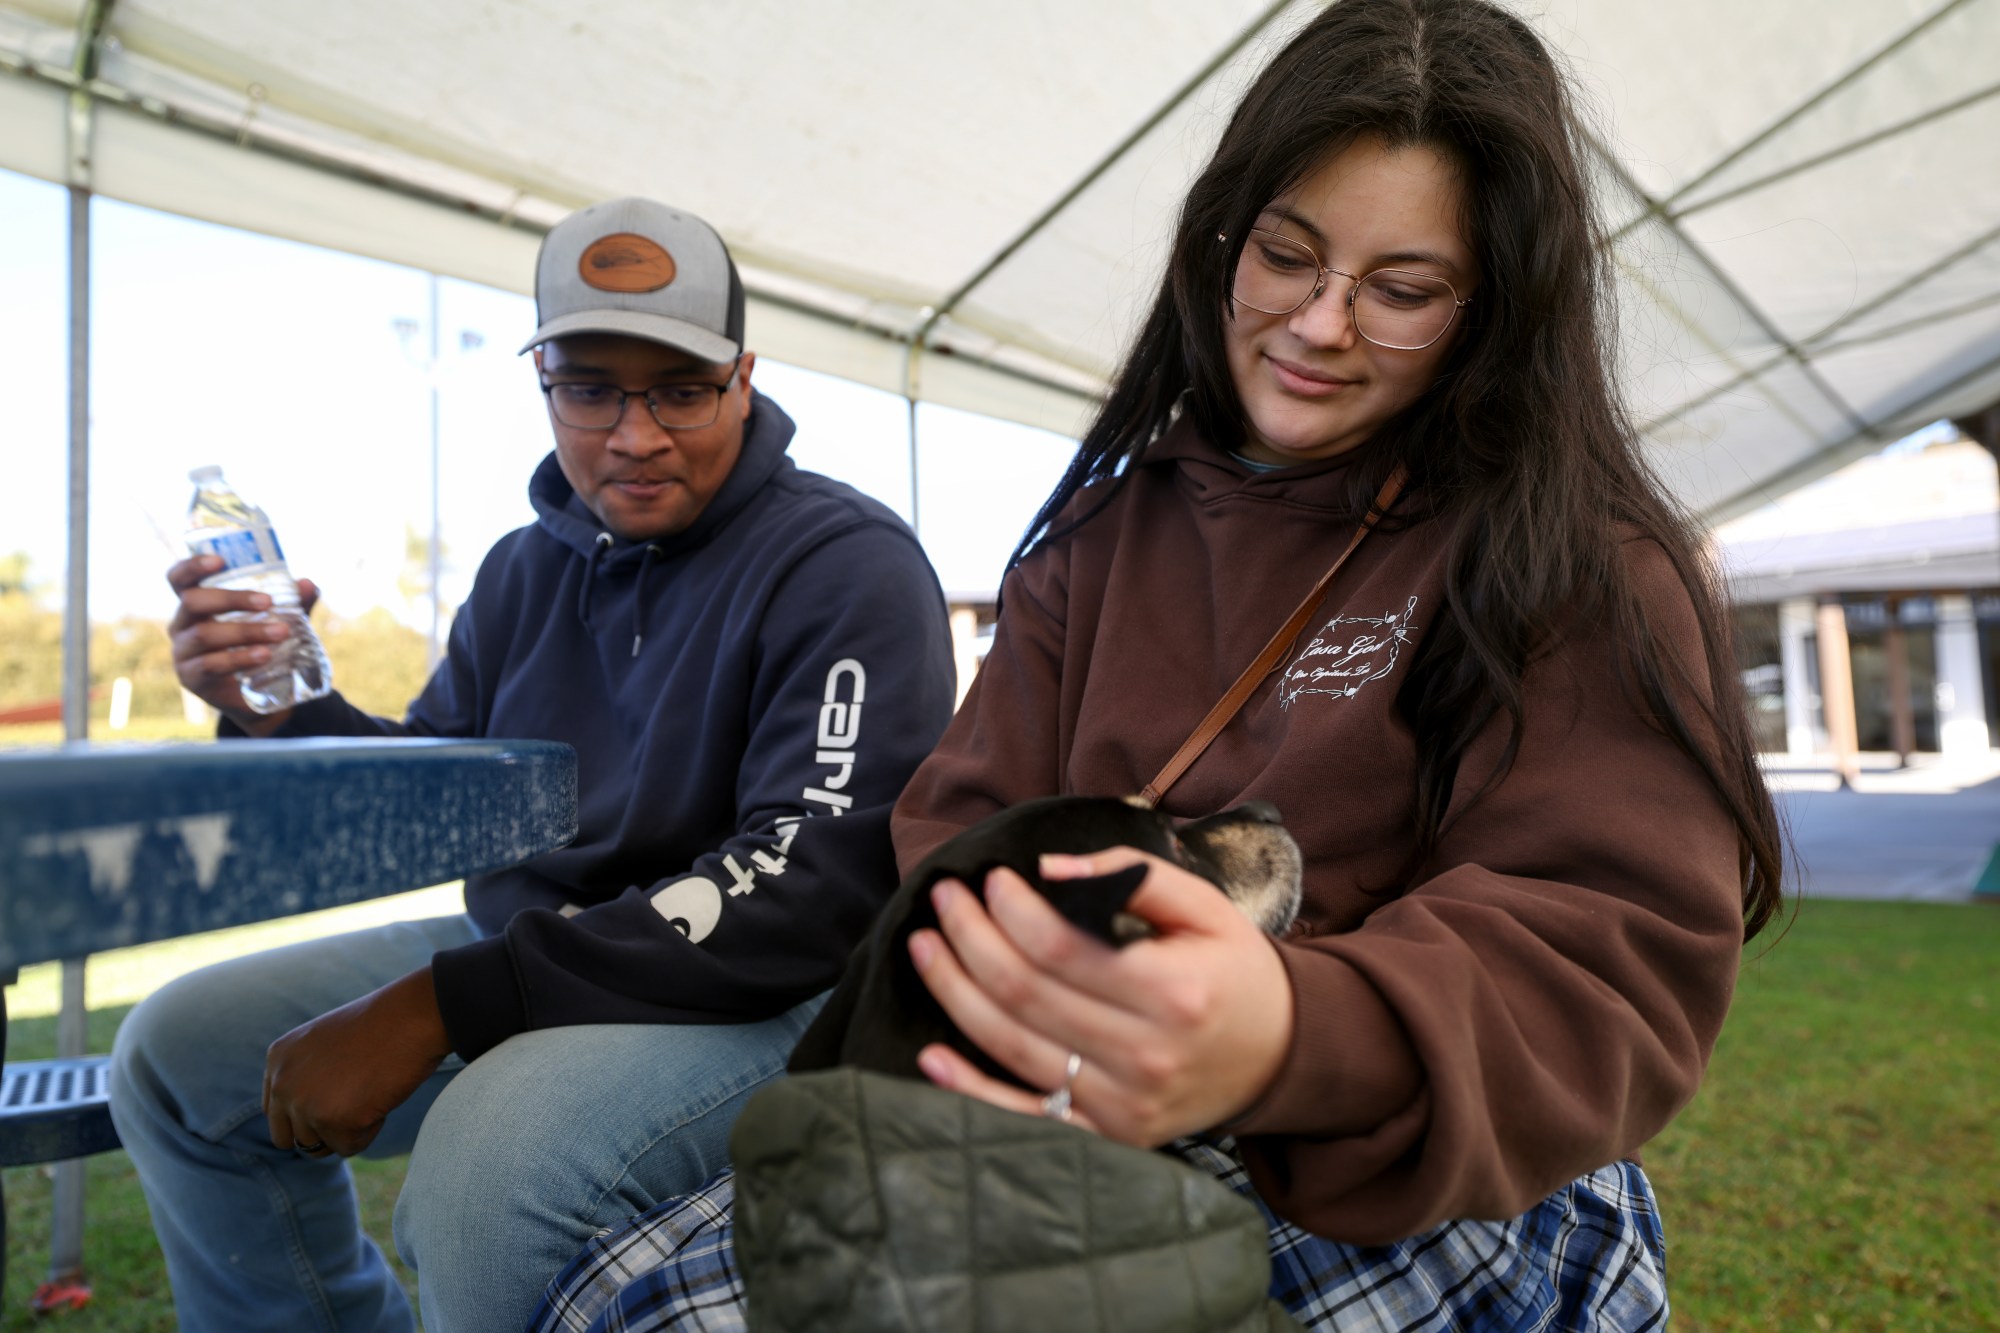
(1274, 652)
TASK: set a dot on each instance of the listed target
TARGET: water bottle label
(244, 548)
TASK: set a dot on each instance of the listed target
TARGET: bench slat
(51, 1110)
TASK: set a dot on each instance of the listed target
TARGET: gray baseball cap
(642, 269)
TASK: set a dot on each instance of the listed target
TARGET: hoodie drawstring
(639, 597)
(597, 548)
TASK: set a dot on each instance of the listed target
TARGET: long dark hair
(1522, 447)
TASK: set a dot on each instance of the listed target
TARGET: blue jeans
(515, 1160)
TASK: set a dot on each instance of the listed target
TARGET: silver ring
(1056, 1105)
(309, 1147)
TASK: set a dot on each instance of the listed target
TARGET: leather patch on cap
(624, 262)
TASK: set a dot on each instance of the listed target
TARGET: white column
(1963, 727)
(1795, 623)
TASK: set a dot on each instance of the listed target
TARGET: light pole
(430, 363)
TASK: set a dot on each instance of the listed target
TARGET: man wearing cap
(750, 661)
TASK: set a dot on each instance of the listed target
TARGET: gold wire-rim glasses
(1319, 285)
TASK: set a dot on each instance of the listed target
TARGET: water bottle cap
(209, 473)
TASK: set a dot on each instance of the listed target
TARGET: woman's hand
(1177, 1033)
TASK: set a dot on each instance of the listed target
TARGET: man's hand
(209, 651)
(330, 1083)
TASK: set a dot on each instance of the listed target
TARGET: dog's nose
(1261, 811)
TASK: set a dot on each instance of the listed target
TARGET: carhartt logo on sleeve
(693, 903)
(692, 906)
(1347, 653)
(624, 262)
(839, 730)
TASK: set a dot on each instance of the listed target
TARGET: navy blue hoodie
(746, 699)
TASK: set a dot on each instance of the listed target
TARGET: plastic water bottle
(222, 523)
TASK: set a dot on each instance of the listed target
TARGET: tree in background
(14, 573)
(30, 639)
(378, 662)
(137, 649)
(414, 581)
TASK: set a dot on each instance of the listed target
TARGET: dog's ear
(1090, 904)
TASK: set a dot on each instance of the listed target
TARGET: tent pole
(911, 351)
(67, 1241)
(436, 571)
(66, 1244)
(76, 607)
(913, 468)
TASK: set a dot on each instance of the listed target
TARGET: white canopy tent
(966, 203)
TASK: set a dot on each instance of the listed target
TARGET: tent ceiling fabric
(1805, 213)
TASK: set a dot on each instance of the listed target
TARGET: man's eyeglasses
(674, 406)
(1391, 307)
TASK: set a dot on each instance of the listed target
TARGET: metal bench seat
(53, 1110)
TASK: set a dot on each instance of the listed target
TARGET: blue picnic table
(108, 845)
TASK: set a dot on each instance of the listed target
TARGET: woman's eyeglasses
(1390, 307)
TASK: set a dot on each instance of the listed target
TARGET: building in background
(1899, 555)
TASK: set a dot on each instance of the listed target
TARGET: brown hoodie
(1542, 1000)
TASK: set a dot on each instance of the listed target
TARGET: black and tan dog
(881, 1015)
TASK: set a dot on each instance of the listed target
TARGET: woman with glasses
(1509, 739)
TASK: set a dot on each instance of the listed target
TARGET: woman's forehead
(1371, 201)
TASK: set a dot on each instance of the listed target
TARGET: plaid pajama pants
(1590, 1258)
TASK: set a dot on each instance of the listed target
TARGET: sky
(282, 363)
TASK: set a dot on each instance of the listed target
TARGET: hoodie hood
(564, 516)
(1210, 473)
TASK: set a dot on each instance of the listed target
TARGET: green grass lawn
(1840, 1171)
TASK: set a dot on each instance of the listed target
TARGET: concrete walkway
(1921, 834)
